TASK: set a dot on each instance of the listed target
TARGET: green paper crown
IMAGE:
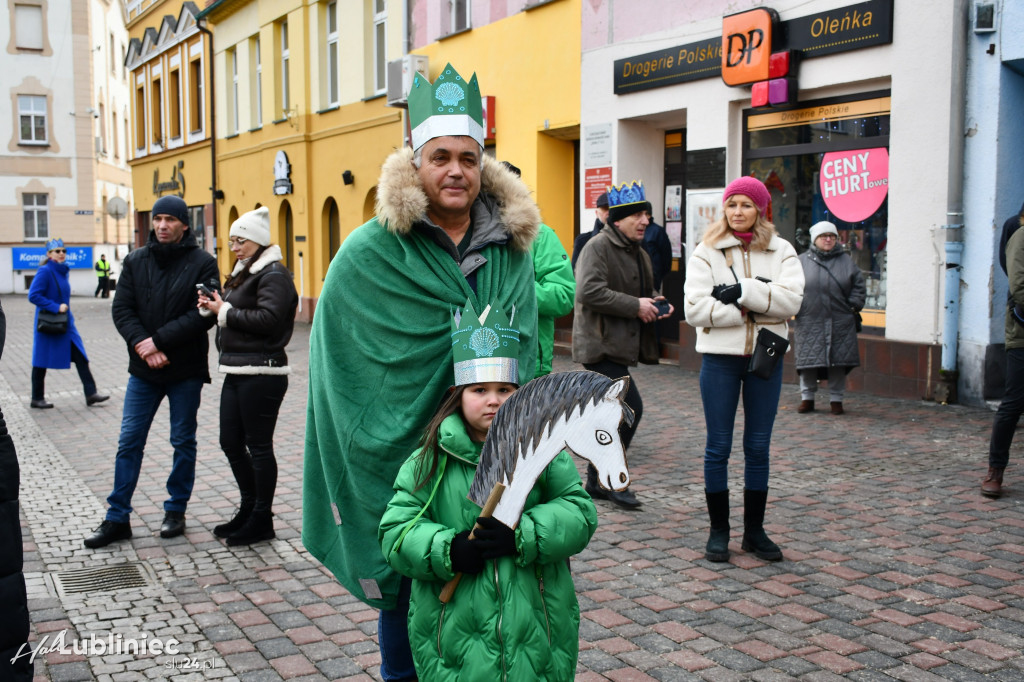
(450, 106)
(484, 347)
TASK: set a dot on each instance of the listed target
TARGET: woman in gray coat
(826, 326)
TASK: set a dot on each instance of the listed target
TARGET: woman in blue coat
(51, 291)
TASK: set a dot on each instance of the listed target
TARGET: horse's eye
(603, 437)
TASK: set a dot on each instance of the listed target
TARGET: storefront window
(790, 151)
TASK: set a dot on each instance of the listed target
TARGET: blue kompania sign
(28, 257)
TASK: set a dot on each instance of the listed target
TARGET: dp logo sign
(747, 45)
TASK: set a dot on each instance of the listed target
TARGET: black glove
(465, 554)
(727, 293)
(494, 538)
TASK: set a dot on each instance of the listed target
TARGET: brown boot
(992, 486)
(837, 407)
(805, 406)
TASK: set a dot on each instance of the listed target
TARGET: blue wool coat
(51, 287)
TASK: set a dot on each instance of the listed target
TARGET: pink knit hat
(751, 187)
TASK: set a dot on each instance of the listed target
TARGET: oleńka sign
(855, 183)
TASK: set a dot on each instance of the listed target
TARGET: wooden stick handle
(492, 501)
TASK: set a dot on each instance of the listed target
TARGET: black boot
(241, 468)
(226, 529)
(754, 538)
(258, 528)
(717, 548)
(624, 498)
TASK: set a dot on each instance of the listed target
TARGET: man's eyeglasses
(237, 240)
(826, 236)
(58, 250)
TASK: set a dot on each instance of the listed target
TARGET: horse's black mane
(522, 420)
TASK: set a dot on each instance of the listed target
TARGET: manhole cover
(102, 579)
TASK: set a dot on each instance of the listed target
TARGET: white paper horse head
(575, 411)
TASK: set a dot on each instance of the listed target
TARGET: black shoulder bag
(52, 323)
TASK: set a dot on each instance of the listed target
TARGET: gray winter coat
(826, 332)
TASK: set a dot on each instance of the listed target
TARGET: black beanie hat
(617, 213)
(172, 206)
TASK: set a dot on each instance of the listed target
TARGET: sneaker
(109, 531)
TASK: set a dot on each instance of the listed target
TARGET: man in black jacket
(155, 311)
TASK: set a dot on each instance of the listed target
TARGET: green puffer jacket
(519, 618)
(556, 291)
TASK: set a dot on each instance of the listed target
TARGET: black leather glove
(494, 538)
(465, 554)
(727, 293)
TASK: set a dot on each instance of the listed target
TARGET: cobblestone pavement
(895, 567)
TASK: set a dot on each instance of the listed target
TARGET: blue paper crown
(624, 194)
(54, 244)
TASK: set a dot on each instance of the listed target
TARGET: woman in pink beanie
(741, 278)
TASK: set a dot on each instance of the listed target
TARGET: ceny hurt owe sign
(854, 183)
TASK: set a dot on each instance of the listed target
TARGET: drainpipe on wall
(946, 391)
(214, 192)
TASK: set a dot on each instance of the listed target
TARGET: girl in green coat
(514, 615)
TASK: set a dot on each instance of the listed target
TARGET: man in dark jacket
(659, 249)
(15, 662)
(615, 310)
(155, 311)
(1011, 257)
(583, 238)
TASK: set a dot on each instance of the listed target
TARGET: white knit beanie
(254, 226)
(818, 229)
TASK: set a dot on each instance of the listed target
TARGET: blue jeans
(141, 401)
(1010, 409)
(393, 638)
(722, 379)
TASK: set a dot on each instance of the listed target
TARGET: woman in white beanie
(254, 324)
(826, 326)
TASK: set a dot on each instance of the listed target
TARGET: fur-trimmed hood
(401, 201)
(271, 254)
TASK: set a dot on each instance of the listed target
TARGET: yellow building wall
(321, 142)
(530, 63)
(188, 165)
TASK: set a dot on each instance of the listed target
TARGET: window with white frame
(332, 53)
(380, 45)
(233, 64)
(32, 118)
(284, 68)
(459, 12)
(257, 106)
(36, 211)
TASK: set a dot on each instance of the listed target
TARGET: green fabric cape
(380, 362)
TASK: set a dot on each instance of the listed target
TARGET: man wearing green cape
(452, 225)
